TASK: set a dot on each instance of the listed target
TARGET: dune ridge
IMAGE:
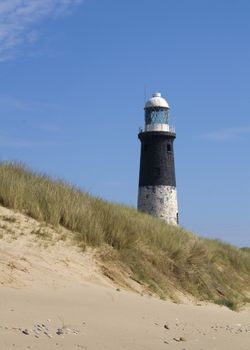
(53, 295)
(133, 249)
(60, 292)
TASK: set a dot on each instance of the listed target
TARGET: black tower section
(157, 158)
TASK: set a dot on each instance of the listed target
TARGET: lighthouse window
(169, 148)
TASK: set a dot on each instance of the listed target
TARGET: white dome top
(157, 101)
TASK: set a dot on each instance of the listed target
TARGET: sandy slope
(47, 289)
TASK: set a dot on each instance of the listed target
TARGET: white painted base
(159, 201)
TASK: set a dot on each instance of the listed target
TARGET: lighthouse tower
(157, 185)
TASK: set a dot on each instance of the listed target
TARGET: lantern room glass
(156, 116)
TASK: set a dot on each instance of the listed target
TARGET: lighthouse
(157, 184)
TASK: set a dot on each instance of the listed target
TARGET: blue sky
(73, 78)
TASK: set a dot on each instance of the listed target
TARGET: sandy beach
(85, 316)
(55, 297)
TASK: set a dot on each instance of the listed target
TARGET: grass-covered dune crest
(166, 260)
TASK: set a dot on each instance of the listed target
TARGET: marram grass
(167, 260)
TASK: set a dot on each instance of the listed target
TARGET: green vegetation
(245, 249)
(165, 259)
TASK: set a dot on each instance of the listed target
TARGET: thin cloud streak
(227, 134)
(15, 142)
(12, 103)
(8, 102)
(18, 18)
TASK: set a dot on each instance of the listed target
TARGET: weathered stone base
(159, 201)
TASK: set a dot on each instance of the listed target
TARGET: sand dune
(53, 296)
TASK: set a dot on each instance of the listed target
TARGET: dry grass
(163, 258)
(246, 250)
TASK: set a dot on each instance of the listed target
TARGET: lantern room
(156, 114)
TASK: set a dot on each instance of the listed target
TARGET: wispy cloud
(16, 104)
(227, 134)
(16, 142)
(18, 19)
(11, 103)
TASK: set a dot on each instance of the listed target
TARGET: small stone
(166, 326)
(176, 339)
(59, 331)
(165, 342)
(26, 332)
(182, 339)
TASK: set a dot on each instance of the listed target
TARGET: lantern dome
(157, 101)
